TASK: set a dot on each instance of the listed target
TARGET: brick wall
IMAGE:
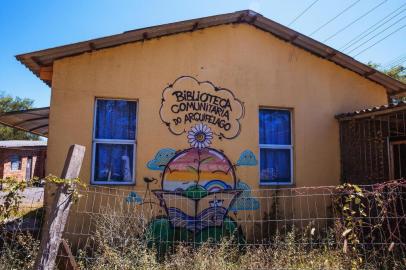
(38, 155)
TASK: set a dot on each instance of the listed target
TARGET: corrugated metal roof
(44, 59)
(21, 143)
(383, 109)
(34, 120)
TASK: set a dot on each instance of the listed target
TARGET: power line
(401, 61)
(356, 20)
(395, 61)
(303, 12)
(371, 32)
(398, 63)
(361, 36)
(382, 39)
(377, 34)
(335, 17)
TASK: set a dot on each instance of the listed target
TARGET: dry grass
(17, 251)
(221, 256)
(120, 243)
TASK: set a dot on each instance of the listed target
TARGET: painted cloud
(161, 159)
(247, 158)
(133, 197)
(245, 201)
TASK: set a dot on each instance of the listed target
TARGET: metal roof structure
(34, 120)
(378, 110)
(41, 62)
(22, 143)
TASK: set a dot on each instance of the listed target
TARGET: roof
(12, 144)
(378, 110)
(34, 120)
(41, 62)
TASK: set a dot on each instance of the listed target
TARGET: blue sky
(27, 26)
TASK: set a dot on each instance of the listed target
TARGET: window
(276, 148)
(397, 159)
(15, 162)
(114, 142)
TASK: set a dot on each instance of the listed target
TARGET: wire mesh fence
(361, 227)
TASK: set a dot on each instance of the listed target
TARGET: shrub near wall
(372, 220)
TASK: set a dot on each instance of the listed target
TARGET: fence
(285, 228)
(373, 145)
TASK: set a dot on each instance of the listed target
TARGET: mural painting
(161, 158)
(245, 200)
(198, 185)
(134, 198)
(247, 158)
(187, 102)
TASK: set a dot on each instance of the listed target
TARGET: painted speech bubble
(188, 101)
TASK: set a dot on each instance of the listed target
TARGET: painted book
(196, 214)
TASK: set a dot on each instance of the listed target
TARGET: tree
(397, 72)
(8, 104)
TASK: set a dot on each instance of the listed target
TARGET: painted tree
(8, 104)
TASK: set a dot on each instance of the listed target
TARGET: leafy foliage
(369, 215)
(11, 200)
(352, 209)
(397, 72)
(19, 247)
(18, 252)
(72, 184)
(9, 104)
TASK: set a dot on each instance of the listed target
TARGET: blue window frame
(114, 142)
(276, 147)
(15, 161)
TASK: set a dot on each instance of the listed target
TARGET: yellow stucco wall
(260, 69)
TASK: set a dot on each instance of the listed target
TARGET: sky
(27, 26)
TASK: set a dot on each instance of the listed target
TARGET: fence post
(55, 224)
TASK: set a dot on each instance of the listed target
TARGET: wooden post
(55, 225)
(67, 253)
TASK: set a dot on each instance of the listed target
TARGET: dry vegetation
(121, 241)
(116, 246)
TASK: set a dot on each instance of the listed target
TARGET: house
(220, 105)
(22, 159)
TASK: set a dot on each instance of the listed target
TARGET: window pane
(115, 119)
(275, 165)
(274, 127)
(114, 162)
(15, 163)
